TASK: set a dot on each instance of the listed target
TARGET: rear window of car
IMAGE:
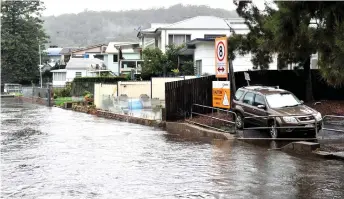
(238, 94)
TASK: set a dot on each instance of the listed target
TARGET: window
(248, 98)
(59, 77)
(198, 68)
(115, 58)
(238, 94)
(282, 100)
(178, 39)
(77, 74)
(213, 36)
(259, 100)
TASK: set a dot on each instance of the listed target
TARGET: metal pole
(40, 63)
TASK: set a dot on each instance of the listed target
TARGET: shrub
(99, 79)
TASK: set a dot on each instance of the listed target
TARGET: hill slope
(89, 27)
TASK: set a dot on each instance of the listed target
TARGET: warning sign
(221, 60)
(221, 94)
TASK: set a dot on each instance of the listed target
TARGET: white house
(131, 55)
(78, 67)
(199, 33)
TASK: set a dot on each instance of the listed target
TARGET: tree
(158, 63)
(21, 35)
(153, 61)
(284, 31)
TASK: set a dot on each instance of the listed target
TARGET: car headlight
(290, 119)
(318, 116)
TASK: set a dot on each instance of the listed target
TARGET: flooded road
(54, 153)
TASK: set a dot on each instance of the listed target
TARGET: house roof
(53, 51)
(199, 40)
(89, 47)
(69, 50)
(83, 63)
(127, 47)
(199, 22)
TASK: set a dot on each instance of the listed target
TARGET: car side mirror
(301, 101)
(261, 106)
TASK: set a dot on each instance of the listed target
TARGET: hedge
(100, 79)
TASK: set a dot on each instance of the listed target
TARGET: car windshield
(282, 100)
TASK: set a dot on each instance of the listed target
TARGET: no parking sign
(221, 60)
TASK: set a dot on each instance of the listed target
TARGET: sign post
(221, 58)
(247, 78)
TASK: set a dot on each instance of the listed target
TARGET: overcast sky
(58, 7)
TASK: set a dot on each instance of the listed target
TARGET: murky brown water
(53, 153)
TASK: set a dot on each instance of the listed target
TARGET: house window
(213, 36)
(59, 77)
(178, 39)
(115, 58)
(77, 74)
(198, 68)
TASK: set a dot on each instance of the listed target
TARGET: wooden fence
(180, 95)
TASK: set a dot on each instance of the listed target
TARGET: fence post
(49, 95)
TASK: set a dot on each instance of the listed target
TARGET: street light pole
(40, 63)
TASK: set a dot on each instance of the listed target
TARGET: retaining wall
(192, 131)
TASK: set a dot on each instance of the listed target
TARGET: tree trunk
(308, 80)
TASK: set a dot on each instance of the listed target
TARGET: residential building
(51, 57)
(66, 54)
(198, 34)
(95, 51)
(131, 57)
(78, 67)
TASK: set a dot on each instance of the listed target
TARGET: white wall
(71, 74)
(113, 66)
(103, 89)
(134, 89)
(206, 52)
(158, 86)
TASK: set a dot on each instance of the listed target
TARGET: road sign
(221, 94)
(221, 58)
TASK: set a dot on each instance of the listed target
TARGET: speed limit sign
(221, 62)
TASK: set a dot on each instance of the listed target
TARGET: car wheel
(239, 122)
(273, 130)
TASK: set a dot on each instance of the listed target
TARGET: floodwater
(54, 153)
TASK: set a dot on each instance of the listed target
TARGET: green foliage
(172, 56)
(157, 63)
(21, 34)
(99, 79)
(63, 92)
(153, 61)
(188, 68)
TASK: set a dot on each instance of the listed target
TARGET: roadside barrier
(194, 108)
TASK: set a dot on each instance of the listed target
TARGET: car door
(248, 107)
(260, 100)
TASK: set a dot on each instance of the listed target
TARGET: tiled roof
(68, 50)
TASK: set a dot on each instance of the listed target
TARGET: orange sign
(221, 57)
(221, 94)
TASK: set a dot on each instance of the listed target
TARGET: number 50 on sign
(221, 57)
